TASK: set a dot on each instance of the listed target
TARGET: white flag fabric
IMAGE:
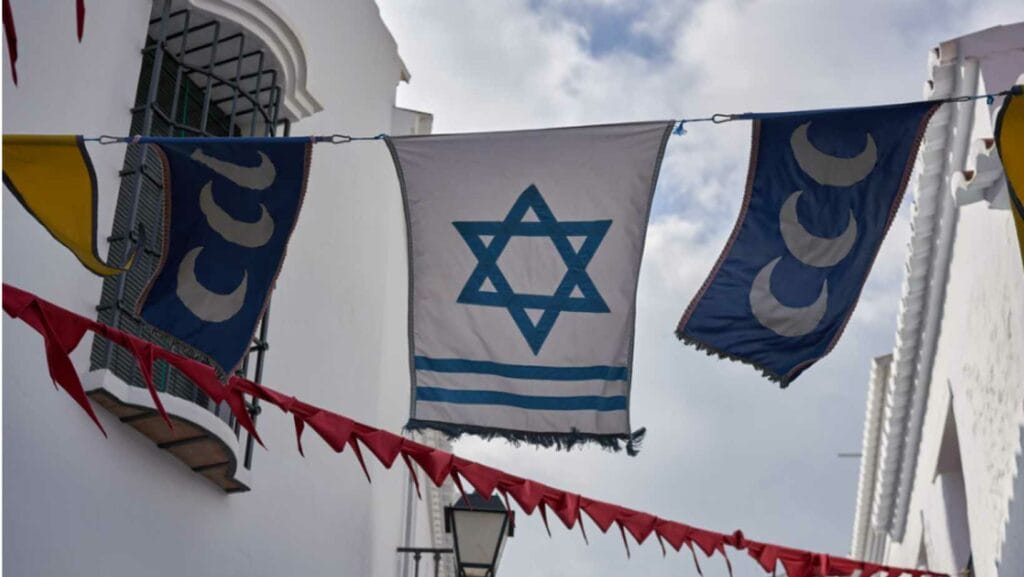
(524, 254)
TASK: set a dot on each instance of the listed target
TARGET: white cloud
(676, 256)
(725, 448)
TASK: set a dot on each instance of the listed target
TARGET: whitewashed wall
(979, 372)
(943, 479)
(78, 504)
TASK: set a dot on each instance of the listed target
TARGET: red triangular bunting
(202, 375)
(797, 566)
(334, 429)
(675, 533)
(412, 473)
(566, 506)
(436, 464)
(544, 517)
(457, 481)
(527, 494)
(143, 353)
(384, 445)
(80, 18)
(300, 426)
(625, 542)
(638, 524)
(359, 456)
(843, 567)
(708, 541)
(693, 553)
(602, 514)
(583, 531)
(58, 361)
(766, 555)
(63, 330)
(483, 479)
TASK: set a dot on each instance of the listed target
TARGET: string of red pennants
(63, 330)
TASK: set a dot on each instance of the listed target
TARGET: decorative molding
(985, 181)
(919, 379)
(282, 40)
(880, 368)
(929, 251)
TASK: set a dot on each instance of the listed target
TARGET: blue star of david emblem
(575, 282)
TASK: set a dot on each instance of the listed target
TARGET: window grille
(200, 77)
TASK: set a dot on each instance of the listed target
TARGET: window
(200, 77)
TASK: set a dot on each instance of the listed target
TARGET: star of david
(575, 293)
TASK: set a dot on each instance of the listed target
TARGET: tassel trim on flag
(631, 443)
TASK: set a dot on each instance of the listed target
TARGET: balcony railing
(200, 77)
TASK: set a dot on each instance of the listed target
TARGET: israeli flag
(524, 253)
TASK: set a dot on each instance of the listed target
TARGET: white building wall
(76, 503)
(1011, 558)
(981, 361)
(980, 367)
(979, 364)
(975, 380)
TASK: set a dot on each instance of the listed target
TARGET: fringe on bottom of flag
(782, 380)
(560, 441)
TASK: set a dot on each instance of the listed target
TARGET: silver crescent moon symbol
(254, 177)
(832, 170)
(810, 249)
(207, 305)
(247, 234)
(779, 318)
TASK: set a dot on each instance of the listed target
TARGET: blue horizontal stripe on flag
(592, 403)
(541, 373)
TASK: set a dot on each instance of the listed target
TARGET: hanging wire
(717, 118)
(679, 129)
(1016, 90)
(330, 139)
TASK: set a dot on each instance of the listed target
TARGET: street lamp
(478, 526)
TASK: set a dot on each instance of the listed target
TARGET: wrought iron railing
(200, 77)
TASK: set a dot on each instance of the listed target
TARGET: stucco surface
(76, 503)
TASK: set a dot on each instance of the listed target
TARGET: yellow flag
(53, 178)
(1010, 143)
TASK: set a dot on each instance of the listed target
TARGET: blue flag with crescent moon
(231, 205)
(822, 190)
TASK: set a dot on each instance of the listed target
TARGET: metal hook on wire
(345, 139)
(335, 139)
(105, 139)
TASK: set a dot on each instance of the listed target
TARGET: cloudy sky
(725, 448)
